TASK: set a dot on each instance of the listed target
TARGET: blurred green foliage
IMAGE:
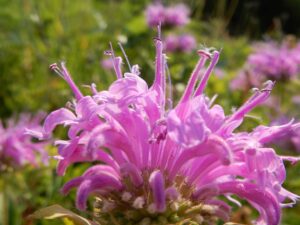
(35, 34)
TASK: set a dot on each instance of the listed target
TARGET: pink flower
(177, 15)
(107, 64)
(155, 15)
(17, 147)
(182, 43)
(275, 61)
(269, 60)
(154, 159)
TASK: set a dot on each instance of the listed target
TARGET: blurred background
(35, 34)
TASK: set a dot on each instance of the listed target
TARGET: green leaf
(57, 211)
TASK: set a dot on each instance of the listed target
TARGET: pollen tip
(53, 66)
(204, 52)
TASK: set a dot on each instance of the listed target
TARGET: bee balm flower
(168, 165)
(269, 60)
(17, 147)
(182, 43)
(176, 15)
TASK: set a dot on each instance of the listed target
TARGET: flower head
(176, 15)
(269, 60)
(17, 147)
(168, 164)
(182, 43)
(275, 61)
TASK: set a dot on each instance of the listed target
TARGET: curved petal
(263, 200)
(60, 116)
(94, 183)
(157, 185)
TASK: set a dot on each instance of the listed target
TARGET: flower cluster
(177, 15)
(16, 147)
(168, 165)
(182, 43)
(270, 60)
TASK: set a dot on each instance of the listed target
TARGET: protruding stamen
(63, 73)
(195, 75)
(117, 61)
(159, 63)
(170, 92)
(210, 68)
(257, 98)
(159, 30)
(136, 70)
(94, 88)
(125, 56)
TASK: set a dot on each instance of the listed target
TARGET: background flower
(16, 147)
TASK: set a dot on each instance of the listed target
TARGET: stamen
(207, 74)
(94, 88)
(257, 98)
(195, 75)
(125, 56)
(170, 91)
(213, 99)
(159, 30)
(116, 62)
(63, 73)
(158, 64)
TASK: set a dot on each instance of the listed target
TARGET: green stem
(3, 208)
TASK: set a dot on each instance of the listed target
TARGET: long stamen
(117, 61)
(170, 91)
(258, 97)
(158, 63)
(125, 56)
(204, 79)
(63, 73)
(195, 74)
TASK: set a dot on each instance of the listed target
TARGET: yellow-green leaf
(57, 211)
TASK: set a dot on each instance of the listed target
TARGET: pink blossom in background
(245, 80)
(187, 43)
(171, 43)
(155, 15)
(180, 43)
(219, 72)
(275, 61)
(107, 64)
(16, 147)
(176, 15)
(155, 159)
(269, 60)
